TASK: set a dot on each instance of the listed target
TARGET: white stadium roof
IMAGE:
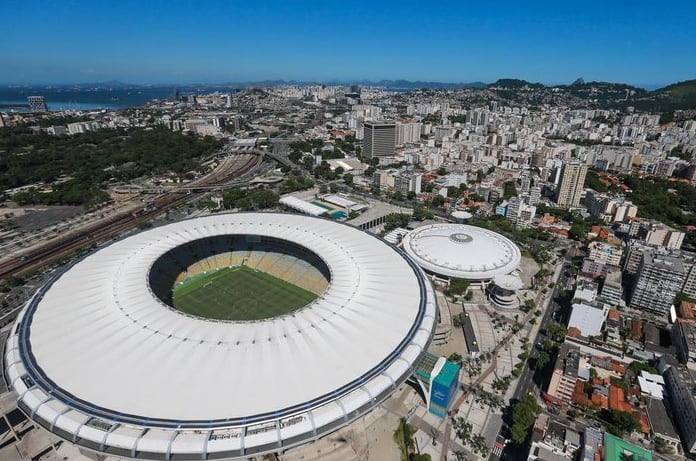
(99, 360)
(462, 251)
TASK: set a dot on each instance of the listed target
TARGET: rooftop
(462, 251)
(660, 422)
(103, 345)
(616, 449)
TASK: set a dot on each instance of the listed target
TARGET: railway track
(112, 226)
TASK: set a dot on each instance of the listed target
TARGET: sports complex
(220, 337)
(462, 251)
(481, 256)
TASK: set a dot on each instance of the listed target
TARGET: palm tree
(403, 436)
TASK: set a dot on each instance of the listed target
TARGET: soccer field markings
(271, 296)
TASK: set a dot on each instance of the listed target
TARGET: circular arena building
(220, 337)
(462, 251)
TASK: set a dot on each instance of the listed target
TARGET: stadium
(462, 251)
(220, 337)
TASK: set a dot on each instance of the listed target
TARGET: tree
(438, 201)
(308, 163)
(348, 179)
(681, 296)
(441, 171)
(542, 359)
(509, 190)
(395, 220)
(457, 287)
(421, 457)
(323, 189)
(403, 436)
(524, 413)
(455, 357)
(578, 231)
(420, 213)
(556, 331)
(593, 181)
(636, 367)
(619, 422)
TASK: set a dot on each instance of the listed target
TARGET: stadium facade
(99, 357)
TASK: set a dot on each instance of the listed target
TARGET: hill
(514, 83)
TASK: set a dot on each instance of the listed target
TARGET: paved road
(431, 430)
(491, 368)
(526, 382)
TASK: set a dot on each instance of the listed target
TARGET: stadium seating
(278, 258)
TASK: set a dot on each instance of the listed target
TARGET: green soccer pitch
(238, 293)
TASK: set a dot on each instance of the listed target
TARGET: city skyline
(207, 42)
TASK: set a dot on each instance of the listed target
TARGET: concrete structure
(612, 289)
(408, 181)
(37, 104)
(587, 320)
(684, 339)
(679, 385)
(565, 374)
(503, 291)
(593, 443)
(408, 132)
(99, 359)
(658, 234)
(379, 139)
(571, 184)
(605, 252)
(438, 378)
(659, 279)
(651, 385)
(661, 426)
(462, 251)
(610, 208)
(616, 449)
(302, 206)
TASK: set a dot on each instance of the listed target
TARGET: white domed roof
(462, 251)
(462, 215)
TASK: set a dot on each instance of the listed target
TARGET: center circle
(461, 238)
(238, 278)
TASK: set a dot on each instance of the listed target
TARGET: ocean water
(58, 99)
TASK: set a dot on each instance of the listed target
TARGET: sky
(638, 42)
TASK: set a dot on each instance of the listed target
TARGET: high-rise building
(408, 181)
(660, 277)
(571, 184)
(408, 132)
(656, 233)
(679, 385)
(379, 139)
(37, 104)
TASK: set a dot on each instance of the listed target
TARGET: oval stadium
(220, 337)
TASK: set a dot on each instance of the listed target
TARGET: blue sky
(644, 43)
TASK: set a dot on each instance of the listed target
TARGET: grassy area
(238, 293)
